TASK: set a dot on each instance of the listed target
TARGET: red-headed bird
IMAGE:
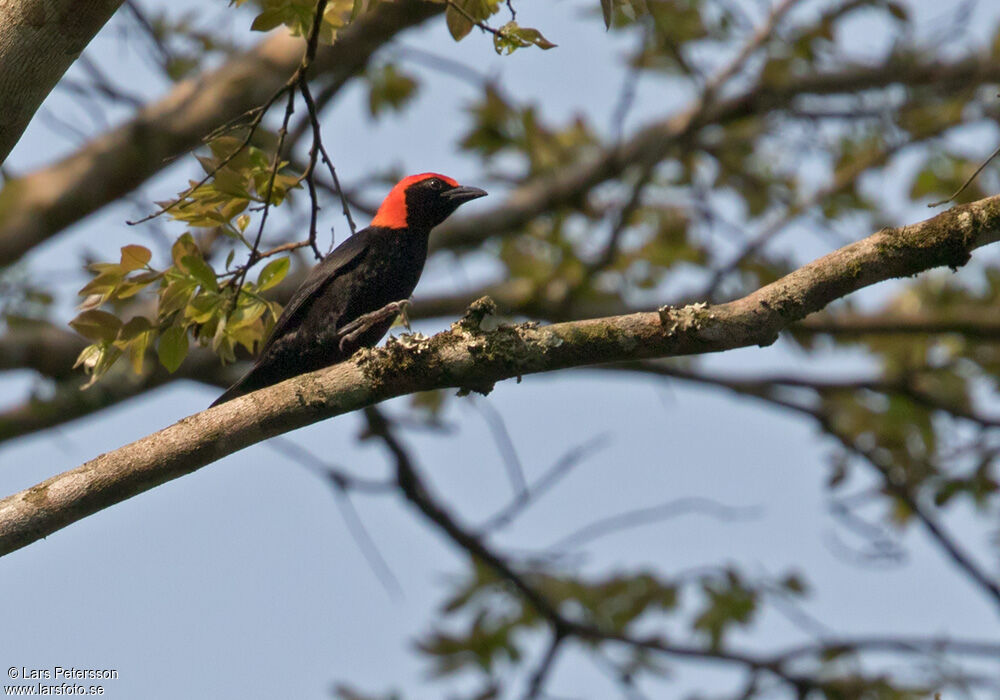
(352, 296)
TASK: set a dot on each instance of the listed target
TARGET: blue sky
(241, 580)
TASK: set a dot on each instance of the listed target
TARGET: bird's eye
(435, 184)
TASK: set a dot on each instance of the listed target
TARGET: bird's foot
(353, 330)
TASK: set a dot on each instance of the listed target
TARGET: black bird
(352, 296)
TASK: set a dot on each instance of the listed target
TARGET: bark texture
(477, 352)
(39, 39)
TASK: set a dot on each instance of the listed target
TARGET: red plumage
(392, 212)
(366, 274)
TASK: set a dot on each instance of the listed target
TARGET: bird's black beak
(460, 195)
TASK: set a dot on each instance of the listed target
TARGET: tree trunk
(39, 39)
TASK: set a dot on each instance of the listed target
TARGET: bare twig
(546, 481)
(342, 484)
(969, 181)
(505, 445)
(268, 198)
(653, 514)
(894, 482)
(536, 685)
(318, 141)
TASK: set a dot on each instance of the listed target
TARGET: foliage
(799, 147)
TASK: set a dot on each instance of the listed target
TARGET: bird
(351, 297)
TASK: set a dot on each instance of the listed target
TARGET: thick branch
(37, 206)
(51, 351)
(976, 325)
(466, 357)
(42, 347)
(38, 42)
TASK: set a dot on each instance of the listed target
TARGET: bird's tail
(230, 394)
(245, 385)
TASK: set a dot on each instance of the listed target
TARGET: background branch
(467, 358)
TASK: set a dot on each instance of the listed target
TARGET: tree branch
(895, 485)
(38, 42)
(571, 182)
(35, 207)
(465, 357)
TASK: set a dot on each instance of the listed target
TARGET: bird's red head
(422, 201)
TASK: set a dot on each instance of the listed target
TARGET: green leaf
(201, 271)
(173, 348)
(96, 325)
(511, 37)
(461, 13)
(268, 20)
(88, 357)
(729, 602)
(176, 295)
(183, 247)
(134, 337)
(273, 273)
(607, 9)
(96, 360)
(102, 284)
(458, 24)
(136, 326)
(134, 257)
(389, 89)
(203, 307)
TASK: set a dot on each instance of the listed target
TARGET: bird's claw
(353, 330)
(404, 313)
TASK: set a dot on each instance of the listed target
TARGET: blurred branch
(972, 324)
(413, 488)
(536, 685)
(66, 402)
(895, 482)
(342, 484)
(37, 206)
(51, 351)
(535, 490)
(40, 41)
(505, 446)
(653, 514)
(471, 359)
(42, 347)
(570, 183)
(563, 626)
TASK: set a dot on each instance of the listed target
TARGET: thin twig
(318, 145)
(968, 182)
(268, 198)
(653, 514)
(536, 686)
(546, 481)
(505, 445)
(342, 484)
(895, 486)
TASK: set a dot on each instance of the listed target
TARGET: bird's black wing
(342, 258)
(262, 374)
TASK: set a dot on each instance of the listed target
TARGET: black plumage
(372, 269)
